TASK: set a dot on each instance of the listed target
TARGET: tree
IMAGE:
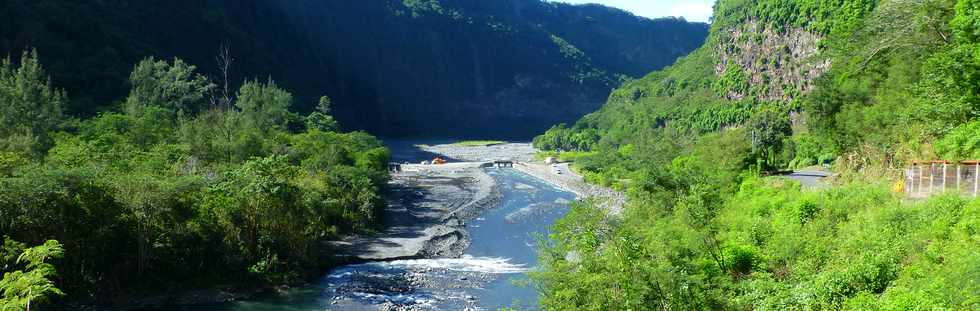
(217, 135)
(767, 130)
(265, 106)
(966, 23)
(146, 196)
(224, 61)
(30, 106)
(950, 88)
(320, 118)
(19, 288)
(353, 193)
(174, 86)
(257, 207)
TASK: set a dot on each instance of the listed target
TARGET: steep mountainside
(754, 58)
(864, 87)
(392, 67)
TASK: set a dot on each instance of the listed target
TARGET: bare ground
(427, 210)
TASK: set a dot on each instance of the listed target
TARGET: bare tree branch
(224, 61)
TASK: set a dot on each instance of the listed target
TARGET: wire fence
(925, 179)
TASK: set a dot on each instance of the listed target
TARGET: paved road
(809, 178)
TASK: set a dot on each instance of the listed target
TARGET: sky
(692, 10)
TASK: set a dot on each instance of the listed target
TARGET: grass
(479, 143)
(566, 156)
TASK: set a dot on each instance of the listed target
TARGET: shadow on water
(407, 151)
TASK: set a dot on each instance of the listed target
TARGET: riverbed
(490, 274)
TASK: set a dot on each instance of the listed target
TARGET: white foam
(423, 300)
(491, 265)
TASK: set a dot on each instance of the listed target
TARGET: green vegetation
(31, 106)
(173, 190)
(768, 245)
(20, 288)
(692, 146)
(479, 143)
(564, 156)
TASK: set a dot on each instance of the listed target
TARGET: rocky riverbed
(428, 207)
(560, 175)
(520, 152)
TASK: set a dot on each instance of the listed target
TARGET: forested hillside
(864, 86)
(171, 191)
(393, 67)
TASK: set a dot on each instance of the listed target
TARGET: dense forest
(392, 67)
(863, 86)
(171, 190)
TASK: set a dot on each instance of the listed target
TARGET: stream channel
(490, 275)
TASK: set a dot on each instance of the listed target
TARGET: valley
(458, 237)
(353, 155)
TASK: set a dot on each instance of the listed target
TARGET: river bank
(428, 207)
(609, 200)
(425, 256)
(501, 235)
(560, 175)
(427, 211)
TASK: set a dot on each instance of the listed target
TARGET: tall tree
(146, 196)
(767, 130)
(30, 106)
(320, 118)
(265, 106)
(174, 86)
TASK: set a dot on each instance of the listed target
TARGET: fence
(928, 178)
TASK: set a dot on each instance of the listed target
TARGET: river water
(491, 274)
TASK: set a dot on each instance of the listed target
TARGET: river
(490, 275)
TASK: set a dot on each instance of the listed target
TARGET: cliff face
(395, 68)
(781, 63)
(759, 55)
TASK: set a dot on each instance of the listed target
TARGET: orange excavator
(439, 160)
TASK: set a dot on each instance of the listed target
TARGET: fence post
(944, 177)
(976, 177)
(910, 176)
(921, 179)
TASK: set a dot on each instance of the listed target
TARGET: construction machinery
(439, 160)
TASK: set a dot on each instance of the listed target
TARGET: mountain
(395, 68)
(861, 90)
(751, 58)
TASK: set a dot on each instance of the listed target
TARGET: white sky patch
(692, 11)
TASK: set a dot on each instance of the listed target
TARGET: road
(812, 178)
